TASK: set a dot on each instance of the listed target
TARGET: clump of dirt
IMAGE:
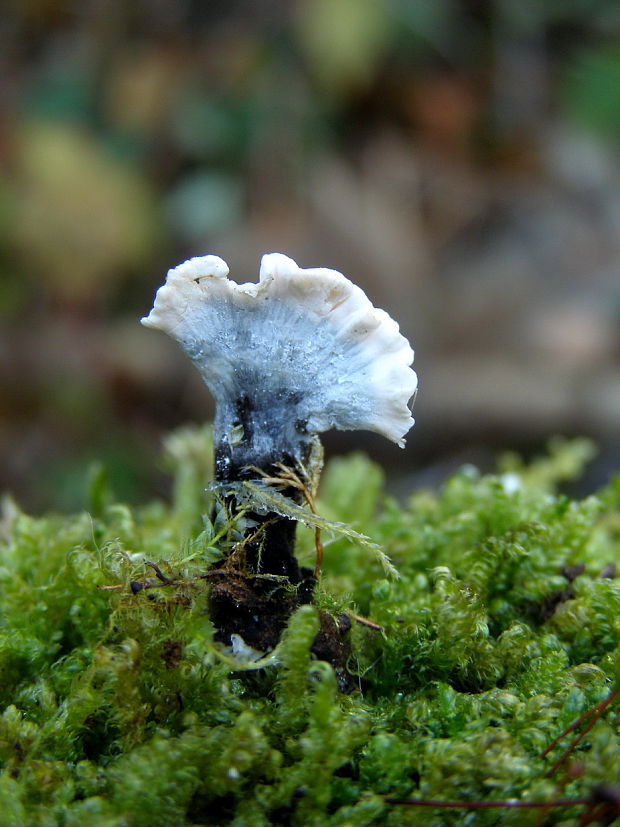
(258, 607)
(255, 607)
(172, 652)
(332, 644)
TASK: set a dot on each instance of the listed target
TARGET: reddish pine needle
(479, 805)
(600, 707)
(591, 716)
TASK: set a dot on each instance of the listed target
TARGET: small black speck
(571, 572)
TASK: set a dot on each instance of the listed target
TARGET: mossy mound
(119, 709)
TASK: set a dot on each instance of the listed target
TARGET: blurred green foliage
(133, 137)
(118, 708)
(89, 128)
(104, 225)
(590, 89)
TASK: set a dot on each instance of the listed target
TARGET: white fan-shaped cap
(306, 340)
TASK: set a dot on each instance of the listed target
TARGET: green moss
(118, 709)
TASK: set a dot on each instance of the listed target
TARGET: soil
(257, 608)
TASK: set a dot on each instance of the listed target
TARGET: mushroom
(298, 353)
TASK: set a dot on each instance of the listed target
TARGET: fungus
(289, 357)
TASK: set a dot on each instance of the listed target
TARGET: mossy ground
(119, 709)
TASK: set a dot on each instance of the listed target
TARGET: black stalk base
(259, 586)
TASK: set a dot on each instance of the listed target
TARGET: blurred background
(459, 160)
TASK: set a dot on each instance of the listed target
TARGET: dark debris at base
(258, 607)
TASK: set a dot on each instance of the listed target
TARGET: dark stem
(253, 437)
(250, 593)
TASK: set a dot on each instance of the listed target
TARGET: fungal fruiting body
(286, 358)
(305, 350)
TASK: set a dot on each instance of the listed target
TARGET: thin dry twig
(159, 574)
(366, 622)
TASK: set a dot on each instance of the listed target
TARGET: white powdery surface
(308, 340)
